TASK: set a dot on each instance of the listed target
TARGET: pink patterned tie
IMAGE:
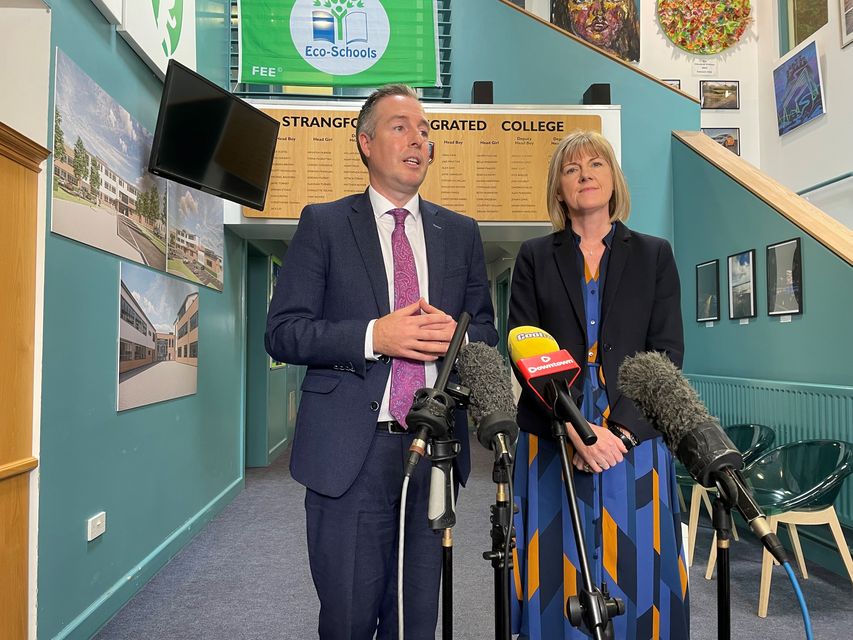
(407, 376)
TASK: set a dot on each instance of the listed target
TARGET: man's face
(398, 154)
(598, 21)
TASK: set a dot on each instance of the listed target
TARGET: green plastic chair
(751, 440)
(797, 484)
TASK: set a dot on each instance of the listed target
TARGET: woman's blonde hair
(574, 146)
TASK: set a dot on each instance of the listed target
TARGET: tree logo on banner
(340, 37)
(169, 16)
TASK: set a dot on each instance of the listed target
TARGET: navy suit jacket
(640, 311)
(332, 284)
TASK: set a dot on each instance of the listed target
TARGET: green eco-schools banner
(338, 42)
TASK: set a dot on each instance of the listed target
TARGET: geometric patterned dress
(630, 518)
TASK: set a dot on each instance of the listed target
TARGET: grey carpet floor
(245, 577)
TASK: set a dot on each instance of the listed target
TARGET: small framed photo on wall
(708, 291)
(784, 278)
(728, 137)
(677, 83)
(719, 94)
(742, 285)
(275, 269)
(846, 22)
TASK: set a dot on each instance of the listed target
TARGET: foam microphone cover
(672, 406)
(663, 395)
(492, 405)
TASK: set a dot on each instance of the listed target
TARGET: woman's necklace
(590, 252)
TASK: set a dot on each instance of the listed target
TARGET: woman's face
(586, 185)
(598, 21)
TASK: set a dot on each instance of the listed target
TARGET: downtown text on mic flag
(360, 43)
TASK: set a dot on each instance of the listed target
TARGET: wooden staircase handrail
(831, 233)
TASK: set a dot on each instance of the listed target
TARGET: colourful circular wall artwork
(704, 27)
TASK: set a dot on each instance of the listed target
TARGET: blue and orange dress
(629, 513)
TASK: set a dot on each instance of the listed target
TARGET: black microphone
(666, 399)
(431, 414)
(492, 406)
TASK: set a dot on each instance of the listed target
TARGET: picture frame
(719, 94)
(784, 278)
(275, 269)
(672, 82)
(708, 291)
(798, 88)
(741, 277)
(727, 137)
(846, 12)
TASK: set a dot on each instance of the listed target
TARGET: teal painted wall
(158, 471)
(715, 218)
(795, 377)
(486, 39)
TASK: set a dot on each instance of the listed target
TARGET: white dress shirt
(415, 234)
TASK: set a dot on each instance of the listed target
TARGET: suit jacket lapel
(567, 264)
(363, 225)
(434, 239)
(615, 267)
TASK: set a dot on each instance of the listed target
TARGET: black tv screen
(211, 140)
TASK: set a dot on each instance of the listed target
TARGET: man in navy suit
(337, 310)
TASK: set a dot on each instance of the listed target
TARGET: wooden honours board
(489, 164)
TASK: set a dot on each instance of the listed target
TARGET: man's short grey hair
(367, 118)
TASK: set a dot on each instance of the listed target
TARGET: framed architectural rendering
(158, 321)
(846, 22)
(742, 285)
(708, 291)
(728, 137)
(719, 94)
(784, 278)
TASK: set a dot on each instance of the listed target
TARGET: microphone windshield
(527, 342)
(663, 395)
(483, 371)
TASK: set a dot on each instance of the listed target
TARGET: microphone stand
(592, 607)
(442, 452)
(727, 498)
(501, 534)
(432, 417)
(722, 519)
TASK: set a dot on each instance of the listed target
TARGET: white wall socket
(96, 525)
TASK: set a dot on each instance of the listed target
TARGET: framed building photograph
(846, 22)
(158, 320)
(675, 82)
(784, 278)
(708, 291)
(719, 94)
(742, 285)
(728, 137)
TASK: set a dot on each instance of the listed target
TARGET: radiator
(796, 411)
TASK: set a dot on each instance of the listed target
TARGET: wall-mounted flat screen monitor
(211, 140)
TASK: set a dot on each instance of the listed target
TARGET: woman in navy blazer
(603, 292)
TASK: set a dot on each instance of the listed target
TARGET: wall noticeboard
(489, 164)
